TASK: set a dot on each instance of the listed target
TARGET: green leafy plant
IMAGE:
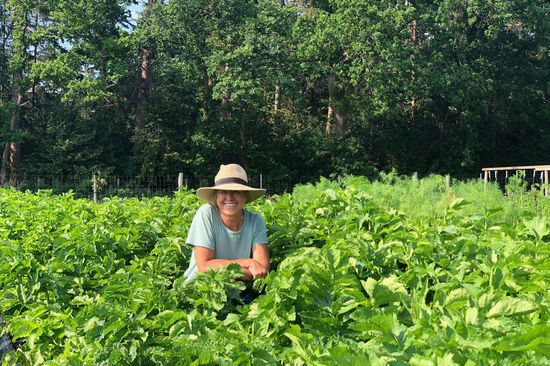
(357, 279)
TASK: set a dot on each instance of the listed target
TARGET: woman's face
(230, 203)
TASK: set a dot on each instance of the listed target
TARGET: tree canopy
(290, 88)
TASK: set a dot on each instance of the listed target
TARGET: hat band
(231, 180)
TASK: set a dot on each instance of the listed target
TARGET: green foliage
(358, 279)
(427, 87)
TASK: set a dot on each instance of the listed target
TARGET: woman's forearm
(217, 263)
(252, 267)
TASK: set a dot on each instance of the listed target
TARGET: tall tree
(416, 85)
(5, 30)
(222, 57)
(84, 81)
(472, 62)
(20, 14)
(145, 76)
(351, 45)
(5, 34)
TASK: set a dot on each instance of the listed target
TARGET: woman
(222, 232)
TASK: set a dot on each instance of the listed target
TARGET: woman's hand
(256, 268)
(260, 255)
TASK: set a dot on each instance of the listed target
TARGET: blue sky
(136, 9)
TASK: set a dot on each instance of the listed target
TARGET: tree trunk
(226, 112)
(336, 109)
(5, 160)
(4, 39)
(12, 162)
(147, 55)
(243, 127)
(277, 105)
(330, 113)
(415, 42)
(144, 85)
(207, 89)
(15, 147)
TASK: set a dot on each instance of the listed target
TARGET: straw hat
(230, 177)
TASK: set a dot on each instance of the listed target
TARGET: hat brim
(207, 193)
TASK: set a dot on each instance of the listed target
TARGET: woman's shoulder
(253, 215)
(206, 209)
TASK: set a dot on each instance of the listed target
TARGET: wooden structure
(534, 168)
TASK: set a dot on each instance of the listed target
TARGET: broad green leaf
(472, 316)
(24, 328)
(538, 227)
(447, 360)
(417, 360)
(380, 325)
(458, 294)
(457, 203)
(535, 338)
(386, 291)
(511, 307)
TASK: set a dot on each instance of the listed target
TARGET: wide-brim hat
(230, 177)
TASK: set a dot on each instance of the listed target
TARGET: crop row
(355, 281)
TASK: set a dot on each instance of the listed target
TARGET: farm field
(394, 272)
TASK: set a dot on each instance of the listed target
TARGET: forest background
(296, 89)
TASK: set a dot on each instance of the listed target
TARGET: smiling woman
(223, 232)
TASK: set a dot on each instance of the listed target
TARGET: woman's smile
(230, 203)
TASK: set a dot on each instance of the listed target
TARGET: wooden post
(546, 183)
(95, 188)
(261, 181)
(485, 180)
(180, 180)
(448, 181)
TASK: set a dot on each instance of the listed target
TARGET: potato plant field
(394, 272)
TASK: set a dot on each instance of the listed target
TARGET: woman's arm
(252, 267)
(260, 253)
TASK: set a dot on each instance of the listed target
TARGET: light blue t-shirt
(207, 230)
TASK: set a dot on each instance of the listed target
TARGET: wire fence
(98, 187)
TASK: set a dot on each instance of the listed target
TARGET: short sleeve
(260, 231)
(201, 232)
